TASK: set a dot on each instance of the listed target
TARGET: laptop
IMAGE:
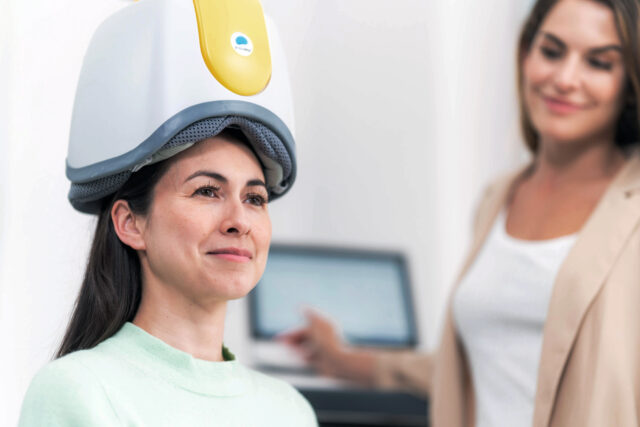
(367, 293)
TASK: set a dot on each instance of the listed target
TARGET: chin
(238, 293)
(231, 288)
(579, 127)
(566, 132)
(562, 137)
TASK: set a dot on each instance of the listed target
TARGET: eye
(550, 53)
(256, 199)
(207, 191)
(601, 65)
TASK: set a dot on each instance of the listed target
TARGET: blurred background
(405, 110)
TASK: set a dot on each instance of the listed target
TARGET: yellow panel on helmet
(234, 43)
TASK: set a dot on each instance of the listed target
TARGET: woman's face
(208, 230)
(573, 74)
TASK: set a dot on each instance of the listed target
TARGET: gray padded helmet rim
(277, 162)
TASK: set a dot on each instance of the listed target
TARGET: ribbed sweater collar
(156, 358)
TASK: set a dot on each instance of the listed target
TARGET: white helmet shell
(144, 80)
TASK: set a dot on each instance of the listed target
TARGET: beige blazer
(589, 373)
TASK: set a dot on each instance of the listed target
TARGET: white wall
(404, 110)
(43, 241)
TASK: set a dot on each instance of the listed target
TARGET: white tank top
(499, 310)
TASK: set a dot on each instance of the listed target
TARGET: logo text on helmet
(241, 43)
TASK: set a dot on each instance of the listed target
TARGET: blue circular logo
(242, 44)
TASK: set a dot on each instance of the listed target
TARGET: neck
(181, 322)
(568, 162)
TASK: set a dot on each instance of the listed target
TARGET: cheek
(172, 229)
(535, 74)
(535, 71)
(263, 233)
(607, 88)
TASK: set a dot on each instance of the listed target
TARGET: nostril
(232, 230)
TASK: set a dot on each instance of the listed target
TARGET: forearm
(409, 371)
(357, 365)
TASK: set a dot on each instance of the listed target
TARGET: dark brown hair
(111, 288)
(626, 19)
(112, 285)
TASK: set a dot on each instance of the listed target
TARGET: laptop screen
(366, 293)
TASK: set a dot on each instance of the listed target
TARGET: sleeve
(66, 394)
(279, 403)
(408, 371)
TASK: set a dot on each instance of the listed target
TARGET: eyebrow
(223, 179)
(594, 50)
(255, 183)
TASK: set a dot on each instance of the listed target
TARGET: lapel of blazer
(581, 276)
(451, 404)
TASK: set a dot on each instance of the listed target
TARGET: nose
(235, 220)
(567, 76)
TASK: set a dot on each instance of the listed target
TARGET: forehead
(582, 24)
(230, 158)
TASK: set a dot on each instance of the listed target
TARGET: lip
(232, 254)
(560, 106)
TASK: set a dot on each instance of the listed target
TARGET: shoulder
(503, 182)
(495, 195)
(65, 392)
(281, 395)
(275, 387)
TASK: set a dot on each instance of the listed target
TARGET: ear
(128, 226)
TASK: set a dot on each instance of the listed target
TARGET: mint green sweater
(135, 379)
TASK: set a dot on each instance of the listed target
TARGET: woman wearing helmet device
(179, 163)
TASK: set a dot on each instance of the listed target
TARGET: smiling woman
(206, 236)
(603, 60)
(542, 327)
(178, 241)
(183, 228)
(191, 233)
